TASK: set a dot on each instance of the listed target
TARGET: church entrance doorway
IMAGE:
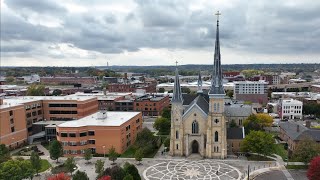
(195, 147)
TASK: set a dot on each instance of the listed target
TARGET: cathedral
(200, 123)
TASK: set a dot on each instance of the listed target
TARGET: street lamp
(104, 151)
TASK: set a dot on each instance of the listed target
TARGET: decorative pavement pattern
(195, 170)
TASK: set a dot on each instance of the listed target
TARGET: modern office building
(253, 91)
(99, 132)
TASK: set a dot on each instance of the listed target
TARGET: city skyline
(75, 33)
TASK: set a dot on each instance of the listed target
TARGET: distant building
(292, 132)
(253, 91)
(135, 86)
(99, 132)
(151, 105)
(68, 80)
(271, 79)
(290, 109)
(315, 88)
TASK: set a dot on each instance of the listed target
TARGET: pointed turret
(177, 94)
(199, 91)
(216, 82)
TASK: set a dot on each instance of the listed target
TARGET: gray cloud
(256, 27)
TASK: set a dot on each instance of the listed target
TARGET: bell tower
(176, 135)
(216, 127)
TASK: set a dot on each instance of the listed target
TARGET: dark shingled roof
(290, 128)
(201, 102)
(235, 133)
(235, 110)
(188, 98)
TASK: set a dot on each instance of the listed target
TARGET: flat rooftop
(113, 118)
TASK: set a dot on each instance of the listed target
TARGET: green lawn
(279, 150)
(44, 165)
(129, 153)
(253, 157)
(297, 167)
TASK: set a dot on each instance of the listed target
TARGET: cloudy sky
(157, 32)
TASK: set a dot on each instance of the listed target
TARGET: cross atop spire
(217, 14)
(216, 82)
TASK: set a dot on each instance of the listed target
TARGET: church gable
(192, 110)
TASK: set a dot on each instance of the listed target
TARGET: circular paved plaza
(195, 170)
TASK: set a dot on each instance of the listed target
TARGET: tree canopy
(257, 122)
(4, 153)
(258, 142)
(80, 175)
(88, 155)
(55, 150)
(35, 161)
(70, 164)
(36, 90)
(113, 155)
(138, 155)
(314, 169)
(16, 169)
(162, 125)
(99, 165)
(132, 170)
(305, 150)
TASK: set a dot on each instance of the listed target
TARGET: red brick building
(148, 87)
(151, 105)
(67, 80)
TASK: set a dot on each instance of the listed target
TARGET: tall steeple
(177, 95)
(216, 82)
(199, 91)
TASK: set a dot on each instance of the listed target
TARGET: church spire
(216, 82)
(199, 84)
(177, 95)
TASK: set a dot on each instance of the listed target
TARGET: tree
(16, 169)
(258, 142)
(35, 161)
(257, 122)
(166, 113)
(161, 90)
(60, 176)
(9, 79)
(185, 90)
(128, 177)
(55, 150)
(4, 153)
(132, 170)
(56, 92)
(113, 155)
(305, 150)
(87, 155)
(36, 90)
(70, 164)
(146, 141)
(162, 125)
(116, 172)
(314, 169)
(166, 143)
(230, 93)
(233, 124)
(80, 175)
(99, 167)
(138, 155)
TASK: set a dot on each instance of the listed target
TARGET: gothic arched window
(195, 127)
(214, 107)
(216, 138)
(177, 134)
(217, 148)
(218, 107)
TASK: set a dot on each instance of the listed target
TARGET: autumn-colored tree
(60, 176)
(105, 178)
(257, 122)
(314, 169)
(306, 149)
